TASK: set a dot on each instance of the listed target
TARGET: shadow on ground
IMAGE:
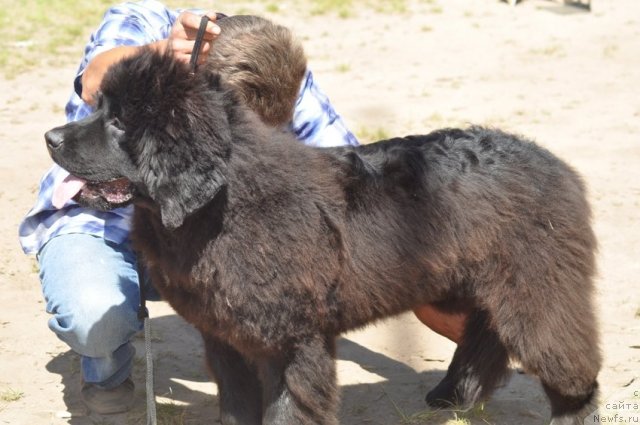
(186, 396)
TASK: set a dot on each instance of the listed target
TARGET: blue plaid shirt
(132, 24)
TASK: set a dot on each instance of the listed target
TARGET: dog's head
(159, 133)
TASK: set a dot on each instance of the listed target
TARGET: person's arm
(93, 74)
(181, 40)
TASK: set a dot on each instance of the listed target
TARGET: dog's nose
(54, 138)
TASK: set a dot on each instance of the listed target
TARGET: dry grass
(11, 394)
(52, 33)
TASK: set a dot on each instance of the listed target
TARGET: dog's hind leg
(478, 366)
(567, 365)
(559, 345)
(300, 386)
(568, 377)
(239, 390)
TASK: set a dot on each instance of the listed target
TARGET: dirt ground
(567, 78)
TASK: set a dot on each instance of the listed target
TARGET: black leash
(195, 53)
(143, 313)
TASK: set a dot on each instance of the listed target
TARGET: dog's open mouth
(117, 192)
(102, 195)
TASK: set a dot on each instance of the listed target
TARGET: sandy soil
(566, 78)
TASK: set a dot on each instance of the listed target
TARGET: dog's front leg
(239, 390)
(299, 387)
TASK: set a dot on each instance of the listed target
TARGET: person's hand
(183, 35)
(181, 40)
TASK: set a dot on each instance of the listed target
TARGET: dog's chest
(196, 292)
(261, 279)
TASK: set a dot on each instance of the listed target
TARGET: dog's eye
(115, 122)
(115, 130)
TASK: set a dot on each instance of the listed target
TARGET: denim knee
(95, 328)
(91, 289)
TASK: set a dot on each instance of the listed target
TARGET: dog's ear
(186, 193)
(181, 181)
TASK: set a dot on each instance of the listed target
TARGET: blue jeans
(91, 288)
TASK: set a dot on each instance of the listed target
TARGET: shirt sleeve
(128, 24)
(315, 122)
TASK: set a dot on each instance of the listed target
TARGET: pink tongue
(66, 190)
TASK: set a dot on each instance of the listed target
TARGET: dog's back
(459, 206)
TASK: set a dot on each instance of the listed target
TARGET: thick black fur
(272, 248)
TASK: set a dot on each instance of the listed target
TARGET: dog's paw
(443, 395)
(462, 394)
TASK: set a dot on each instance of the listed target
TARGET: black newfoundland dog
(272, 248)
